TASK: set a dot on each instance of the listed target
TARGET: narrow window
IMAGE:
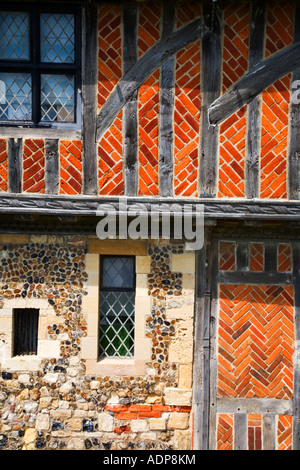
(25, 328)
(117, 299)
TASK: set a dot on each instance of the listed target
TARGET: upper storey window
(39, 67)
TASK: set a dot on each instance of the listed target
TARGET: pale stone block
(92, 324)
(14, 238)
(90, 303)
(139, 425)
(185, 376)
(38, 238)
(178, 420)
(48, 348)
(42, 422)
(30, 435)
(24, 363)
(181, 350)
(142, 264)
(180, 312)
(93, 283)
(158, 424)
(141, 285)
(6, 324)
(179, 397)
(76, 444)
(89, 347)
(51, 378)
(182, 439)
(74, 424)
(183, 263)
(105, 422)
(142, 349)
(92, 263)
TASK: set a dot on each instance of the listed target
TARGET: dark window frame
(37, 68)
(25, 331)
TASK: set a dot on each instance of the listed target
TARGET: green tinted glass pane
(116, 326)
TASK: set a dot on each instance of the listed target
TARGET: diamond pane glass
(116, 328)
(15, 96)
(118, 272)
(57, 98)
(57, 38)
(14, 39)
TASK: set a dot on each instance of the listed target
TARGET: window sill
(115, 367)
(40, 132)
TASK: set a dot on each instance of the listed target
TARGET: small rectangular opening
(25, 328)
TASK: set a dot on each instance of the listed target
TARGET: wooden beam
(256, 51)
(296, 392)
(144, 67)
(52, 166)
(240, 437)
(201, 379)
(230, 277)
(260, 77)
(294, 125)
(211, 60)
(15, 165)
(89, 92)
(130, 108)
(166, 108)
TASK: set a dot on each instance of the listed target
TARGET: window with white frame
(40, 65)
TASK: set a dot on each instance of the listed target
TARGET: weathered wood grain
(211, 59)
(130, 109)
(166, 108)
(15, 165)
(260, 77)
(89, 92)
(144, 67)
(52, 166)
(256, 49)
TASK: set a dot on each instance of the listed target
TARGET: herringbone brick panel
(186, 120)
(110, 162)
(109, 50)
(70, 179)
(232, 155)
(3, 165)
(275, 106)
(225, 432)
(284, 432)
(284, 257)
(149, 32)
(227, 261)
(255, 341)
(233, 130)
(256, 257)
(187, 108)
(34, 165)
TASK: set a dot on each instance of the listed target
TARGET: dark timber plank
(210, 85)
(270, 257)
(240, 437)
(15, 165)
(52, 166)
(89, 92)
(294, 124)
(166, 109)
(254, 278)
(130, 109)
(242, 256)
(296, 394)
(260, 77)
(257, 30)
(144, 67)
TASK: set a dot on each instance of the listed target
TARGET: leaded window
(117, 306)
(39, 66)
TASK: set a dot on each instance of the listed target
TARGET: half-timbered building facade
(112, 115)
